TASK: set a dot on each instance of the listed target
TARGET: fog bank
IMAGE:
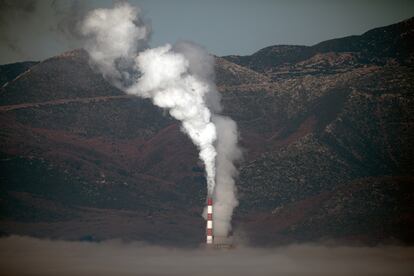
(30, 256)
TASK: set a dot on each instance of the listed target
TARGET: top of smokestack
(209, 201)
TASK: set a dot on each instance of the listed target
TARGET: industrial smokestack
(179, 78)
(209, 226)
(213, 240)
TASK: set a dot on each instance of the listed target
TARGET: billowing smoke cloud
(178, 78)
(166, 79)
(29, 256)
(113, 39)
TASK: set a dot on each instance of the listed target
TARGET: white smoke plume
(113, 39)
(179, 78)
(167, 81)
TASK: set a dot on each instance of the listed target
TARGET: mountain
(390, 44)
(327, 134)
(11, 71)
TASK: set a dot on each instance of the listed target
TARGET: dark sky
(35, 30)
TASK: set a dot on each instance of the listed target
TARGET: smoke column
(225, 192)
(178, 78)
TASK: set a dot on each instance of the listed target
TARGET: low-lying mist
(31, 256)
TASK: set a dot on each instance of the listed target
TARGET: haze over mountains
(327, 132)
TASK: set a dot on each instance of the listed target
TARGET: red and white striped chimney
(209, 220)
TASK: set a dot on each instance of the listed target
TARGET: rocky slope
(326, 132)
